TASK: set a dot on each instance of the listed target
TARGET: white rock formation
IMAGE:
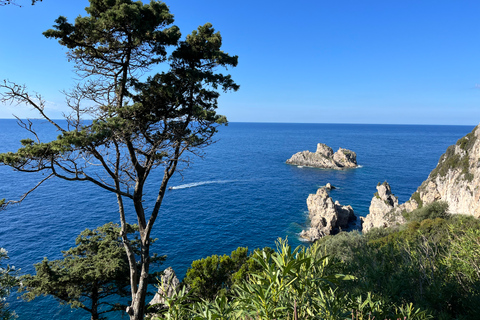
(168, 287)
(456, 179)
(325, 158)
(384, 210)
(328, 186)
(326, 217)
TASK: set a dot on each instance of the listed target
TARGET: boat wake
(201, 183)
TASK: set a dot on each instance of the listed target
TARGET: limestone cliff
(456, 179)
(326, 217)
(325, 158)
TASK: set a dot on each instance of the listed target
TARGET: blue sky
(391, 62)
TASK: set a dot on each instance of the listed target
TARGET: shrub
(437, 209)
(342, 245)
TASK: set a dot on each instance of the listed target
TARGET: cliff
(325, 158)
(455, 180)
(326, 217)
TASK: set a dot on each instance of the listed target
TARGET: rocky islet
(325, 158)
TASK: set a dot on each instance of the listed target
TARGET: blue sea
(239, 193)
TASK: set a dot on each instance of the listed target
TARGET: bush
(437, 209)
(293, 284)
(215, 275)
(342, 245)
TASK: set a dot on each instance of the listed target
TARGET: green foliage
(208, 276)
(378, 233)
(8, 280)
(464, 221)
(450, 161)
(418, 200)
(464, 257)
(215, 275)
(177, 306)
(436, 209)
(427, 268)
(342, 245)
(290, 284)
(97, 268)
(116, 29)
(466, 143)
(430, 263)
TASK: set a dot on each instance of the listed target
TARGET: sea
(236, 192)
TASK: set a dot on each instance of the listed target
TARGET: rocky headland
(325, 158)
(455, 180)
(326, 217)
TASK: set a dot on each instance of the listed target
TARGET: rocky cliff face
(325, 158)
(326, 217)
(456, 179)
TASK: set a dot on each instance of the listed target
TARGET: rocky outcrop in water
(326, 217)
(169, 285)
(325, 158)
(328, 186)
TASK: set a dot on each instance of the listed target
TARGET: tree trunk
(136, 310)
(94, 303)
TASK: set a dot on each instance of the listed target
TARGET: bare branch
(18, 94)
(27, 126)
(4, 205)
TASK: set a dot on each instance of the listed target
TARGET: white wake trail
(201, 183)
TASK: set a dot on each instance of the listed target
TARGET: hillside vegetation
(425, 269)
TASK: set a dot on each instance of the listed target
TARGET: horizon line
(274, 122)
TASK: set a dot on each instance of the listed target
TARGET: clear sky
(320, 61)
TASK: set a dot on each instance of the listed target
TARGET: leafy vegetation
(451, 160)
(467, 142)
(301, 283)
(427, 268)
(437, 209)
(8, 280)
(430, 262)
(215, 275)
(91, 275)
